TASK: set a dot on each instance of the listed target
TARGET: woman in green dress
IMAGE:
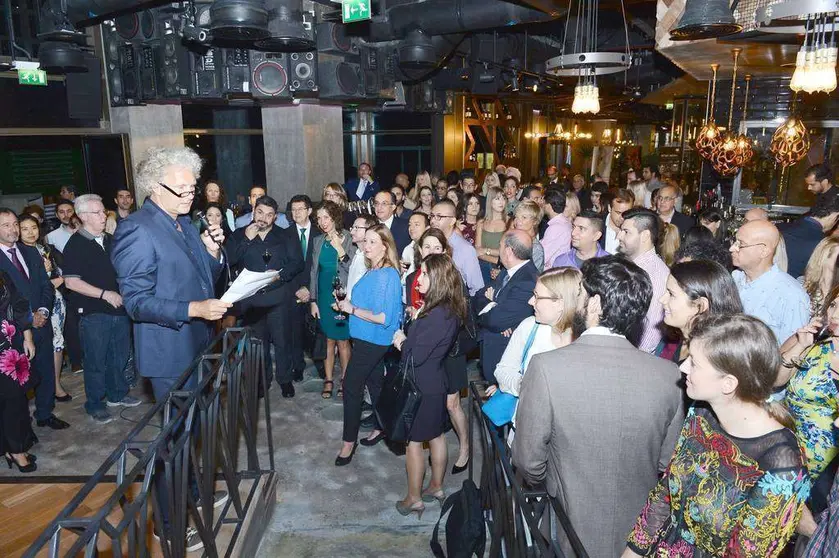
(331, 255)
(489, 231)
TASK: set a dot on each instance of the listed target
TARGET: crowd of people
(675, 378)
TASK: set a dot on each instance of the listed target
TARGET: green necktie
(303, 242)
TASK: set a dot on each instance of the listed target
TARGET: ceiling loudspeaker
(331, 39)
(235, 71)
(122, 68)
(174, 67)
(269, 75)
(139, 26)
(149, 60)
(205, 74)
(84, 91)
(340, 80)
(303, 72)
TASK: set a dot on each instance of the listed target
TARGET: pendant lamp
(709, 135)
(705, 19)
(744, 142)
(726, 158)
(790, 142)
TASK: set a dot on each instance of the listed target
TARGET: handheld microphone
(205, 225)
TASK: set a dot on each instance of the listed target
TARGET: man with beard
(263, 246)
(64, 212)
(124, 200)
(600, 432)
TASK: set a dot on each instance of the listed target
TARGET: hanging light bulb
(790, 142)
(709, 135)
(726, 158)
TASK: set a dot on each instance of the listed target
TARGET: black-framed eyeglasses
(357, 228)
(184, 194)
(438, 216)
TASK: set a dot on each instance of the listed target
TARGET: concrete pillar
(148, 126)
(304, 149)
(233, 153)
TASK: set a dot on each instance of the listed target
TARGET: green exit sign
(355, 10)
(31, 77)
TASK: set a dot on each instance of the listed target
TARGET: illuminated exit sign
(355, 10)
(31, 77)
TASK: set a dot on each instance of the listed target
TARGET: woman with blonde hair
(572, 206)
(422, 179)
(491, 180)
(639, 189)
(819, 276)
(489, 231)
(669, 243)
(527, 217)
(556, 299)
(335, 193)
(375, 315)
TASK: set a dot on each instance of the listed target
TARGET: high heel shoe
(408, 510)
(456, 469)
(64, 398)
(341, 461)
(367, 442)
(22, 468)
(440, 496)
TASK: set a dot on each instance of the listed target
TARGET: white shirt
(18, 254)
(611, 244)
(407, 256)
(512, 270)
(357, 269)
(601, 330)
(308, 236)
(509, 370)
(59, 237)
(362, 185)
(389, 222)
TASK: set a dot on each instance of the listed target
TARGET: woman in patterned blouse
(736, 483)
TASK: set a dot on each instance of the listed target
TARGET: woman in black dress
(429, 339)
(16, 350)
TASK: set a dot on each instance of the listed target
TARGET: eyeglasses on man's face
(739, 245)
(184, 194)
(438, 216)
(357, 228)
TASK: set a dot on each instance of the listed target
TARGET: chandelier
(584, 61)
(708, 137)
(790, 142)
(815, 63)
(730, 155)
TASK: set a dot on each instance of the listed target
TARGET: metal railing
(210, 436)
(521, 518)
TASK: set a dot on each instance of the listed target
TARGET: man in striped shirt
(637, 241)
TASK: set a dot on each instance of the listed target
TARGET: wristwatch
(487, 252)
(345, 258)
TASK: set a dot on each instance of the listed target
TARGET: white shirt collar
(601, 330)
(389, 222)
(512, 270)
(299, 228)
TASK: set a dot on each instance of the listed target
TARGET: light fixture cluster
(815, 63)
(790, 142)
(561, 134)
(586, 98)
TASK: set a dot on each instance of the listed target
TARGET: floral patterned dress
(16, 435)
(813, 401)
(724, 496)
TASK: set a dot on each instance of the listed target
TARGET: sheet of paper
(248, 283)
(487, 308)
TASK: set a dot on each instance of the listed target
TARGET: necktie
(505, 278)
(303, 242)
(16, 262)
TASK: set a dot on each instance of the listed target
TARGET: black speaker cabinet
(205, 74)
(122, 67)
(340, 80)
(174, 67)
(84, 91)
(235, 70)
(269, 75)
(303, 72)
(149, 56)
(331, 39)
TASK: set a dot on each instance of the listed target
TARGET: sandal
(327, 392)
(341, 391)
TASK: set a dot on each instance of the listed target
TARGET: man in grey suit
(597, 420)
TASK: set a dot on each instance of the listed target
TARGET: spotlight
(417, 51)
(239, 20)
(286, 28)
(486, 76)
(61, 58)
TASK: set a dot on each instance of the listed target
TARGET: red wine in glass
(340, 293)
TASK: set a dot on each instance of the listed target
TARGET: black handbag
(465, 529)
(399, 402)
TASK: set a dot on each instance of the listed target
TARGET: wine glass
(266, 257)
(340, 293)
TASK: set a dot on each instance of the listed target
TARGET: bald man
(666, 209)
(780, 258)
(767, 293)
(503, 305)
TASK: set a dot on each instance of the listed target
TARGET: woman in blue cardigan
(375, 315)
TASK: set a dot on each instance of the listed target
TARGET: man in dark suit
(26, 268)
(303, 232)
(384, 205)
(166, 272)
(503, 305)
(666, 208)
(802, 235)
(263, 246)
(364, 187)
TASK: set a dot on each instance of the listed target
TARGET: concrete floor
(321, 510)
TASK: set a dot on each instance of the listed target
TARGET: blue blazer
(352, 185)
(512, 309)
(160, 271)
(37, 289)
(399, 230)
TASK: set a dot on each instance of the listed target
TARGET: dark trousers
(44, 368)
(161, 387)
(276, 325)
(106, 341)
(72, 342)
(366, 367)
(298, 336)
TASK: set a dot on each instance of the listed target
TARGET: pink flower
(7, 329)
(15, 365)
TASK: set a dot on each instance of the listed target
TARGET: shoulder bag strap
(527, 345)
(435, 541)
